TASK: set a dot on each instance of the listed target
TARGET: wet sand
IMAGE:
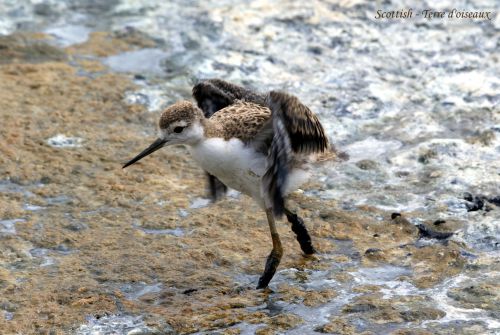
(86, 244)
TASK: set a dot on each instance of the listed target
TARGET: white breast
(238, 166)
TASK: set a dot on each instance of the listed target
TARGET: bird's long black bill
(158, 144)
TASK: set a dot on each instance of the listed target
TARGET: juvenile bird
(261, 145)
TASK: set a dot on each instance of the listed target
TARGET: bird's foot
(307, 248)
(300, 230)
(273, 260)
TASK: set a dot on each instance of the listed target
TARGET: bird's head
(180, 123)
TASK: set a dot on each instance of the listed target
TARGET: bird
(262, 145)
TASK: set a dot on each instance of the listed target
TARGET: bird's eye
(178, 129)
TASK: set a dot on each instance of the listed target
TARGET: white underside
(239, 166)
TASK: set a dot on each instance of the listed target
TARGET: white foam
(183, 213)
(63, 141)
(371, 148)
(134, 61)
(43, 254)
(8, 227)
(114, 324)
(136, 290)
(453, 313)
(199, 203)
(178, 232)
(30, 207)
(69, 34)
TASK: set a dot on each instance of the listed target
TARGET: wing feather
(304, 129)
(213, 95)
(279, 159)
(295, 129)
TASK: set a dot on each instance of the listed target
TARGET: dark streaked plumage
(303, 127)
(295, 128)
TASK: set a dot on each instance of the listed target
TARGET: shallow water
(63, 141)
(9, 226)
(414, 104)
(114, 324)
(134, 61)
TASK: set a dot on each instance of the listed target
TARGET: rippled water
(414, 103)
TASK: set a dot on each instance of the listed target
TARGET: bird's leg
(216, 189)
(299, 228)
(274, 258)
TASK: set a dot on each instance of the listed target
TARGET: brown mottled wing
(295, 130)
(243, 120)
